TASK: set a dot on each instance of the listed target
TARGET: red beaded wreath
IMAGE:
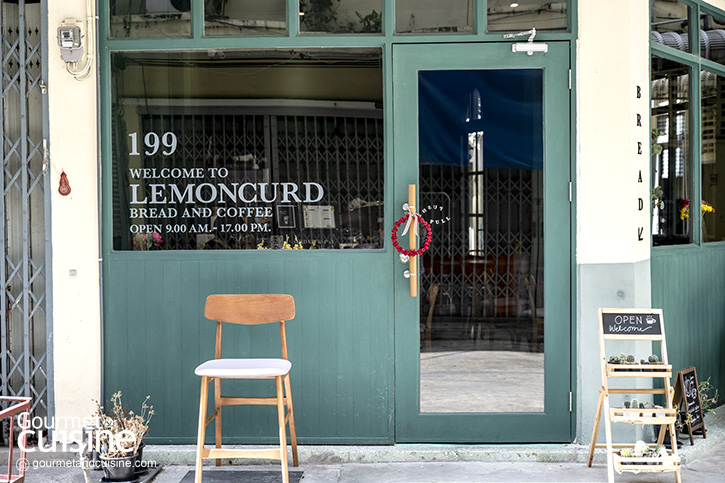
(411, 253)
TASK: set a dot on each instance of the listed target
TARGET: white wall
(717, 3)
(612, 256)
(613, 59)
(76, 301)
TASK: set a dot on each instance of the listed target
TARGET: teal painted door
(483, 354)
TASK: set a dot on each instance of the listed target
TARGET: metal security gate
(511, 203)
(25, 207)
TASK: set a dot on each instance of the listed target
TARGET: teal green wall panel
(687, 283)
(339, 343)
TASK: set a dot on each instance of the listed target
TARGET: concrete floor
(426, 463)
(708, 468)
(464, 381)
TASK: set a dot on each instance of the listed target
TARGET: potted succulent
(624, 359)
(642, 450)
(653, 360)
(119, 438)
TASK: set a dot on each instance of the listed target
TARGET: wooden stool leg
(282, 430)
(218, 418)
(291, 414)
(202, 427)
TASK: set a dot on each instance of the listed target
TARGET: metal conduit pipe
(704, 45)
(716, 39)
(712, 43)
(676, 41)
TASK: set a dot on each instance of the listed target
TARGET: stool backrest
(249, 309)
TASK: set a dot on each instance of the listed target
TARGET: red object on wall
(64, 188)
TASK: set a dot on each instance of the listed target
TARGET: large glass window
(433, 16)
(670, 24)
(712, 38)
(712, 208)
(341, 16)
(247, 150)
(672, 191)
(150, 18)
(245, 17)
(687, 206)
(509, 15)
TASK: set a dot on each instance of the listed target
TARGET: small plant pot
(94, 461)
(138, 465)
(119, 469)
(92, 454)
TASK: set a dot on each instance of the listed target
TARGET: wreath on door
(411, 219)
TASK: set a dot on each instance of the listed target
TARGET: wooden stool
(247, 310)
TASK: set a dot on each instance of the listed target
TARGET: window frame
(197, 39)
(696, 64)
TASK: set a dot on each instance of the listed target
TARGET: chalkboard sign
(631, 324)
(687, 396)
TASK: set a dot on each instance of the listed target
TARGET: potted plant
(119, 438)
(655, 361)
(89, 440)
(642, 450)
(624, 359)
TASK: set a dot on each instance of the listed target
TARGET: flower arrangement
(120, 432)
(285, 245)
(683, 207)
(707, 207)
(149, 241)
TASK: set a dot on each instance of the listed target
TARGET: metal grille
(509, 227)
(24, 206)
(346, 155)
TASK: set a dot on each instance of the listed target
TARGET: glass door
(483, 353)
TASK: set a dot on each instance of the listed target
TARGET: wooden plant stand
(634, 325)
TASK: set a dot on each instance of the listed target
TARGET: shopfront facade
(240, 147)
(248, 149)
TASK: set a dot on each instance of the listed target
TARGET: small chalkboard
(631, 323)
(687, 395)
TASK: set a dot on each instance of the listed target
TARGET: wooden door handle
(412, 244)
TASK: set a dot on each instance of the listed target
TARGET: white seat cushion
(244, 368)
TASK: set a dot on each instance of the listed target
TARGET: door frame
(411, 425)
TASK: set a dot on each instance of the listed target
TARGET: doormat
(143, 476)
(242, 476)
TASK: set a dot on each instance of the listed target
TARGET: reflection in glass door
(484, 353)
(481, 185)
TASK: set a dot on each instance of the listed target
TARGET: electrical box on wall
(69, 40)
